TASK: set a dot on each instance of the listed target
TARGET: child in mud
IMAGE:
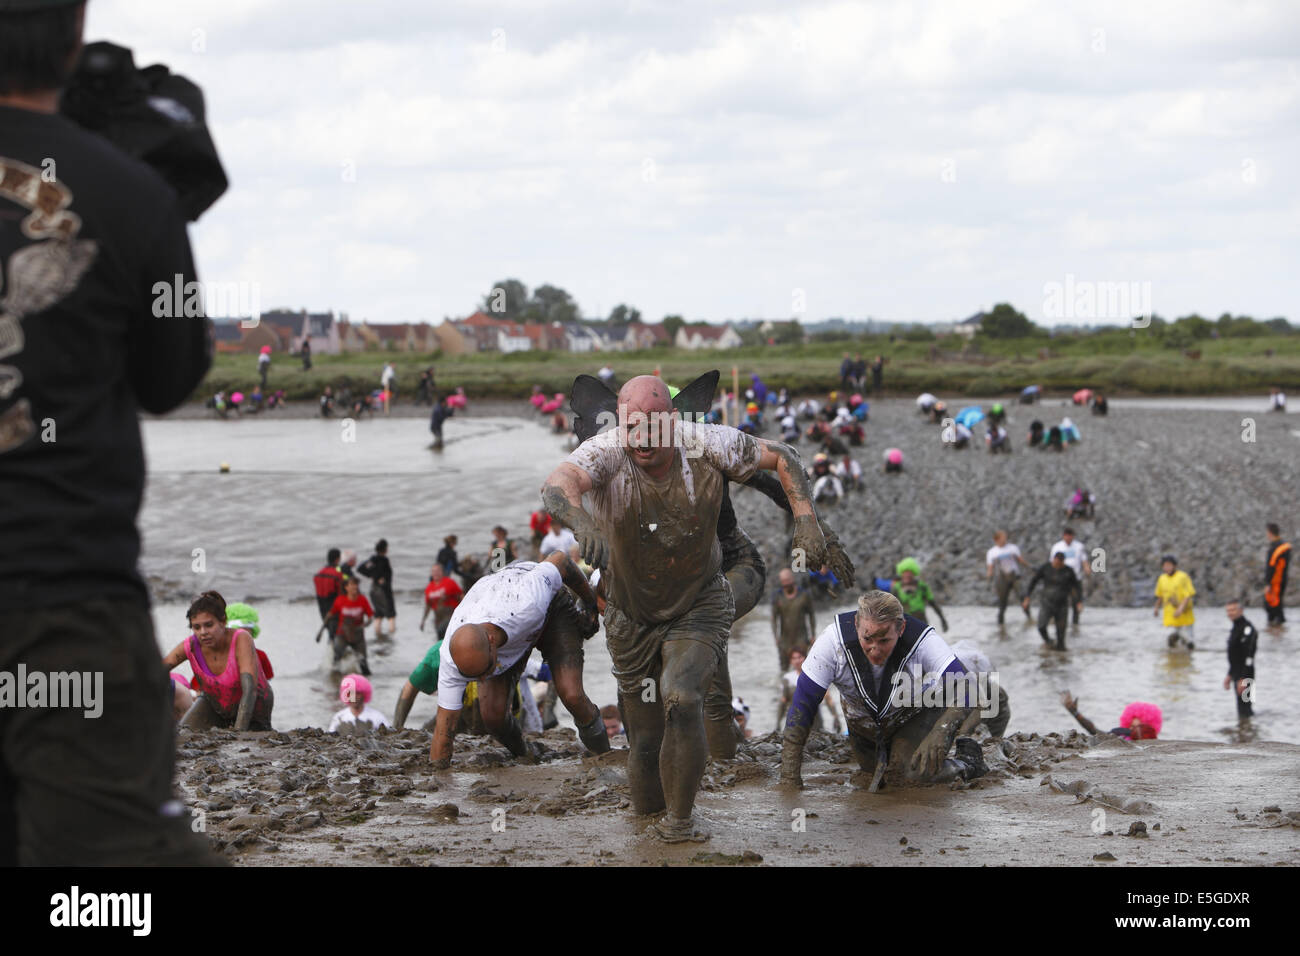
(1140, 721)
(233, 689)
(355, 691)
(867, 654)
(913, 593)
(348, 619)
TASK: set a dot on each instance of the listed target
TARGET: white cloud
(705, 159)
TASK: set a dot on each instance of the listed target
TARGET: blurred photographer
(86, 232)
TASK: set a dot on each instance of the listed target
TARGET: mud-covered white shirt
(516, 600)
(369, 715)
(1004, 557)
(662, 532)
(1074, 555)
(827, 665)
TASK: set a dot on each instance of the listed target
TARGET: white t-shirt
(368, 716)
(561, 540)
(1005, 557)
(1074, 555)
(925, 400)
(516, 600)
(828, 664)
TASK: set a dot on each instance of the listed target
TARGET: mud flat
(308, 798)
(1168, 480)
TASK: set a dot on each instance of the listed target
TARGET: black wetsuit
(1241, 660)
(1060, 591)
(447, 558)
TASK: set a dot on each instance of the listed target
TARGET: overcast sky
(394, 158)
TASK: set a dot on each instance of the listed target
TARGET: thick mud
(304, 797)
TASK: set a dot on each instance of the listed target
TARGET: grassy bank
(1121, 364)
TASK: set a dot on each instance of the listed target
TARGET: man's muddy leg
(688, 670)
(746, 579)
(567, 677)
(644, 722)
(719, 725)
(1044, 617)
(494, 707)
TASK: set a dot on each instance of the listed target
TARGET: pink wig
(355, 687)
(1148, 714)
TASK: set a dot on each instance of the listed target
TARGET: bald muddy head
(647, 423)
(473, 652)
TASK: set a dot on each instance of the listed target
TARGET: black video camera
(151, 114)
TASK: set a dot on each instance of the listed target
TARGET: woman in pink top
(233, 689)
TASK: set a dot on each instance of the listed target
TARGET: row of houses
(286, 331)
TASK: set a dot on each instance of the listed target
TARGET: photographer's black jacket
(85, 234)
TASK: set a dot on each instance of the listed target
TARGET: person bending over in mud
(347, 621)
(233, 689)
(493, 631)
(657, 485)
(867, 654)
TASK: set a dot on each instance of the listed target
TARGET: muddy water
(297, 487)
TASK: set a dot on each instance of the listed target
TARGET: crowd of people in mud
(508, 626)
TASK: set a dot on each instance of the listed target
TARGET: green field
(1120, 362)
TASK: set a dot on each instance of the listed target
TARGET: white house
(708, 337)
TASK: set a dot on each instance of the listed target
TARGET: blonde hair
(880, 607)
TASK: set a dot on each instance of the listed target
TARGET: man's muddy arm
(784, 460)
(573, 577)
(770, 486)
(444, 735)
(562, 500)
(808, 536)
(405, 700)
(808, 696)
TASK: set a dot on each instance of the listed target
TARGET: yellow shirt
(1172, 589)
